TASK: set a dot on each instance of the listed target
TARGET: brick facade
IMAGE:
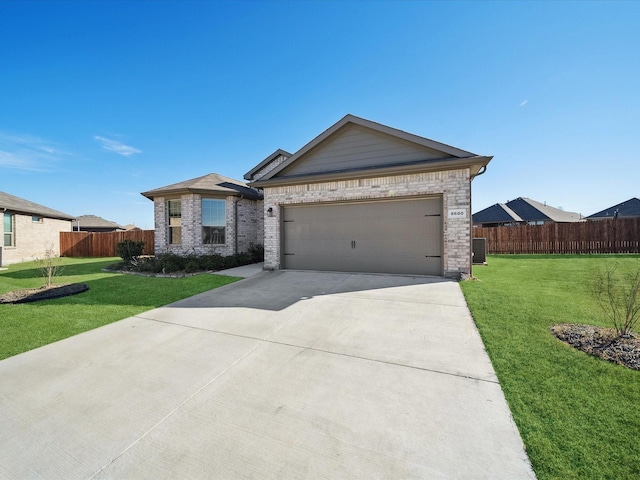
(453, 185)
(243, 225)
(32, 239)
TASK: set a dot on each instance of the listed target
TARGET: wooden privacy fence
(90, 244)
(602, 236)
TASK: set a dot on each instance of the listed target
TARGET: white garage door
(397, 236)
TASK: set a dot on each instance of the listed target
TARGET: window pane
(213, 213)
(8, 223)
(175, 235)
(213, 235)
(174, 208)
(7, 240)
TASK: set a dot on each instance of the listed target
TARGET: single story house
(365, 197)
(522, 211)
(93, 223)
(206, 215)
(628, 209)
(29, 229)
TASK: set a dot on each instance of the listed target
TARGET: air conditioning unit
(479, 249)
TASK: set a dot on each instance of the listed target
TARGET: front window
(36, 219)
(9, 236)
(214, 221)
(175, 221)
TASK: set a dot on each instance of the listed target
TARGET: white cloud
(28, 152)
(523, 103)
(116, 147)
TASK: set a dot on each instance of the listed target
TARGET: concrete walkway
(281, 375)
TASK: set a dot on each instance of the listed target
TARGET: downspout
(480, 172)
(235, 223)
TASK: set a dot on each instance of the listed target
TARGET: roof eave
(473, 163)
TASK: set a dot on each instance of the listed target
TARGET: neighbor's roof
(630, 208)
(498, 213)
(524, 209)
(531, 210)
(20, 205)
(93, 221)
(212, 183)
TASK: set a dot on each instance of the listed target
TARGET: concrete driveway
(282, 375)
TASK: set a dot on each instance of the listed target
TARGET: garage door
(399, 236)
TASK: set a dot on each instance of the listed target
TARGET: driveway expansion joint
(319, 350)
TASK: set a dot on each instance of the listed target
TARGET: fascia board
(473, 163)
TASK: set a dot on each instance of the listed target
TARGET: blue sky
(102, 100)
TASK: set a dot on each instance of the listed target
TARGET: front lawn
(579, 416)
(111, 297)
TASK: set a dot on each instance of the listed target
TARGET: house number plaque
(458, 213)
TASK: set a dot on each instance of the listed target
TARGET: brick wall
(32, 239)
(249, 224)
(453, 185)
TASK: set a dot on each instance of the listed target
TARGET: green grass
(111, 297)
(579, 416)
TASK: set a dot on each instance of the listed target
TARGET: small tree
(130, 250)
(50, 265)
(618, 295)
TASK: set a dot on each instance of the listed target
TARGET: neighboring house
(205, 215)
(523, 211)
(365, 197)
(93, 223)
(29, 229)
(130, 226)
(628, 209)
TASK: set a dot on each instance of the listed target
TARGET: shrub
(130, 250)
(256, 252)
(618, 295)
(50, 265)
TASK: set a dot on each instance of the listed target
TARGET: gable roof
(265, 162)
(497, 213)
(20, 205)
(212, 183)
(630, 208)
(531, 210)
(439, 157)
(93, 221)
(523, 209)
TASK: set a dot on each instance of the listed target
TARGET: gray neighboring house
(29, 229)
(523, 211)
(365, 197)
(93, 223)
(206, 215)
(628, 209)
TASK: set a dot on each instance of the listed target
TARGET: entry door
(398, 236)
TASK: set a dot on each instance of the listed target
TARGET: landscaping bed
(27, 295)
(601, 342)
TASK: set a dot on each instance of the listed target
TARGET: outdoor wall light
(270, 212)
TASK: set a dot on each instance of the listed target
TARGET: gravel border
(601, 342)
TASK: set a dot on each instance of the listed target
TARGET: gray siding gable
(355, 147)
(355, 143)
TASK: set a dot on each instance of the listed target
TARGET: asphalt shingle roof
(630, 208)
(20, 205)
(207, 183)
(93, 221)
(524, 209)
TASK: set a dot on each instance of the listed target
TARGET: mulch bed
(601, 342)
(37, 294)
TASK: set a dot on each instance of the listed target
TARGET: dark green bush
(256, 252)
(172, 263)
(130, 250)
